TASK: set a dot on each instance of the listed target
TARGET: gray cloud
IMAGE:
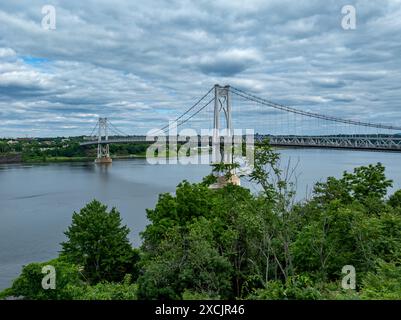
(142, 64)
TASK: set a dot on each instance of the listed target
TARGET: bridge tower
(222, 104)
(103, 151)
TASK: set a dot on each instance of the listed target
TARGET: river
(37, 201)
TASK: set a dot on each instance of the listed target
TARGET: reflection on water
(37, 201)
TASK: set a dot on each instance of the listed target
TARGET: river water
(37, 201)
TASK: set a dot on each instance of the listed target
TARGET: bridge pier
(104, 160)
(222, 181)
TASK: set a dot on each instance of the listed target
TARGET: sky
(142, 63)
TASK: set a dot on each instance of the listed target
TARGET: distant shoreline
(17, 159)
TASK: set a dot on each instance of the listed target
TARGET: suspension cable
(186, 112)
(193, 115)
(254, 98)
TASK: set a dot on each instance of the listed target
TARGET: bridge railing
(356, 142)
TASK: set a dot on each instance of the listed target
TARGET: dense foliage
(61, 149)
(97, 242)
(230, 243)
(29, 283)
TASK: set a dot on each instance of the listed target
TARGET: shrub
(384, 284)
(29, 283)
(105, 291)
(296, 287)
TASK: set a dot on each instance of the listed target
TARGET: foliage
(296, 287)
(62, 149)
(8, 292)
(126, 290)
(274, 248)
(186, 261)
(230, 243)
(97, 242)
(395, 199)
(29, 283)
(385, 283)
(363, 185)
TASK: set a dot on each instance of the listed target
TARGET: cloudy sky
(141, 63)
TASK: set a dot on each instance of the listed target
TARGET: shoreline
(64, 159)
(18, 159)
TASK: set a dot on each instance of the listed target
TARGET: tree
(191, 201)
(366, 184)
(29, 283)
(241, 239)
(395, 199)
(186, 261)
(98, 243)
(327, 242)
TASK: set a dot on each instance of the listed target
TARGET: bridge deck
(343, 142)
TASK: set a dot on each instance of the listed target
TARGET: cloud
(328, 83)
(143, 63)
(6, 53)
(229, 62)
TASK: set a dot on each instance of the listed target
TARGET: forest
(231, 243)
(40, 150)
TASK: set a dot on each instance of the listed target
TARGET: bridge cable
(186, 112)
(194, 114)
(117, 130)
(94, 129)
(257, 99)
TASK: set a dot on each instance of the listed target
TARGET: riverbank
(10, 158)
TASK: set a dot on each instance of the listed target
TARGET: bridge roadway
(379, 143)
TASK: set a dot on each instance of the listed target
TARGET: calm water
(37, 201)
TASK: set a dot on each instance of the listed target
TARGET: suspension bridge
(228, 109)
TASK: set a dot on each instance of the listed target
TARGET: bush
(296, 287)
(384, 284)
(105, 291)
(29, 283)
(191, 295)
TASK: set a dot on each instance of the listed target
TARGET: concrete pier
(103, 160)
(222, 181)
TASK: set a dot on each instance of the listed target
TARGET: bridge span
(350, 134)
(336, 142)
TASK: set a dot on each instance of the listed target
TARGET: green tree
(368, 182)
(98, 242)
(395, 199)
(367, 185)
(29, 283)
